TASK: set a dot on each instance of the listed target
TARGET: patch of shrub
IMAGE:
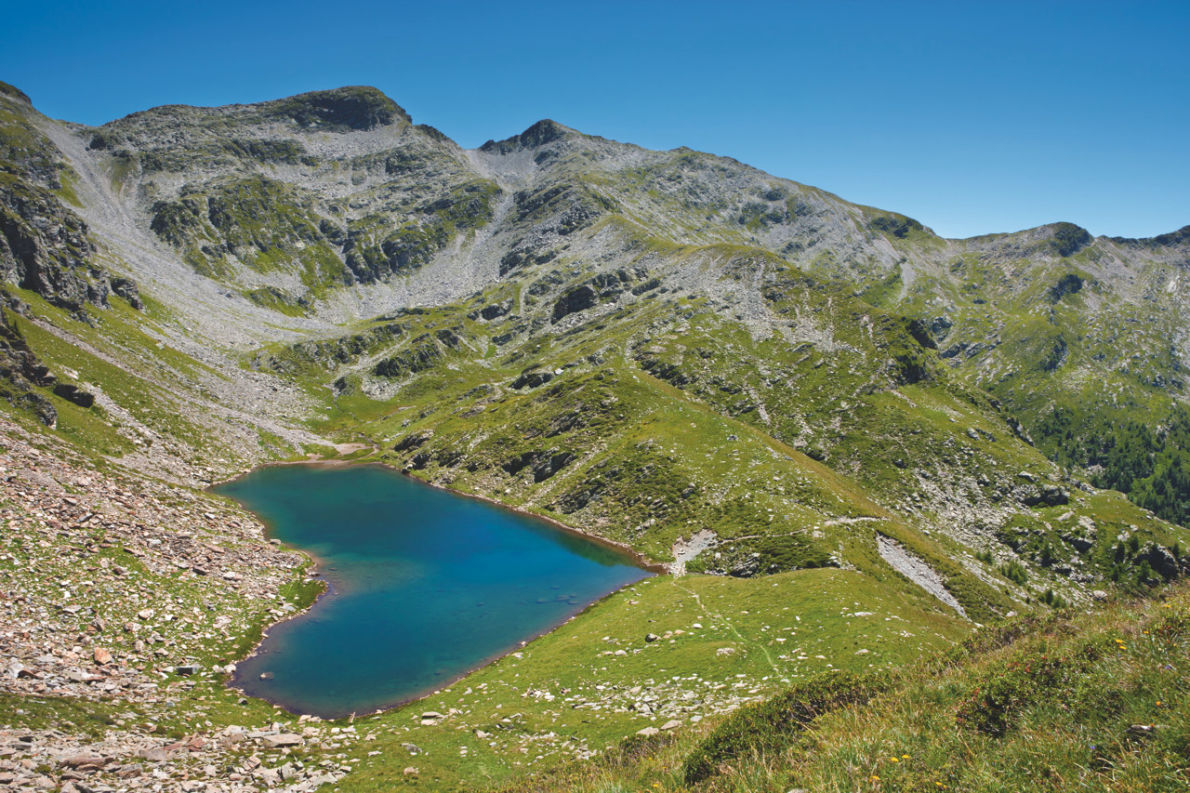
(1015, 571)
(771, 725)
(1028, 677)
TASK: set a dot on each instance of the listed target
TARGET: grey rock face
(19, 370)
(45, 246)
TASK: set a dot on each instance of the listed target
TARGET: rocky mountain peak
(1069, 238)
(356, 107)
(539, 134)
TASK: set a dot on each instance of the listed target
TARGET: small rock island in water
(424, 585)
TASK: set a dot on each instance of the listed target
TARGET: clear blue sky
(971, 117)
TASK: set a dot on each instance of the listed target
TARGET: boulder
(1161, 560)
(574, 300)
(72, 393)
(85, 761)
(1045, 495)
(127, 289)
(533, 378)
(495, 310)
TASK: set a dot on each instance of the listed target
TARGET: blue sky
(971, 117)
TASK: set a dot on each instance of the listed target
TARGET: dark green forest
(1150, 464)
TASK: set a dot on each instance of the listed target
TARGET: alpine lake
(423, 585)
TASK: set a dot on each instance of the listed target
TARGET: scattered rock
(282, 740)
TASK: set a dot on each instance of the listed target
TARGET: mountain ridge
(534, 131)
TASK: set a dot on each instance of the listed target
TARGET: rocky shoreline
(118, 596)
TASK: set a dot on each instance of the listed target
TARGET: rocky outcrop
(1068, 239)
(580, 298)
(603, 288)
(492, 311)
(45, 248)
(1162, 561)
(413, 441)
(532, 378)
(20, 370)
(542, 464)
(421, 354)
(1043, 495)
(1068, 284)
(72, 393)
(333, 352)
(539, 134)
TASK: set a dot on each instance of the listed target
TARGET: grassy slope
(1095, 701)
(743, 616)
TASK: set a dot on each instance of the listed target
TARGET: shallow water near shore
(423, 585)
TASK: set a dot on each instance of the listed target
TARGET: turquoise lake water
(424, 585)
